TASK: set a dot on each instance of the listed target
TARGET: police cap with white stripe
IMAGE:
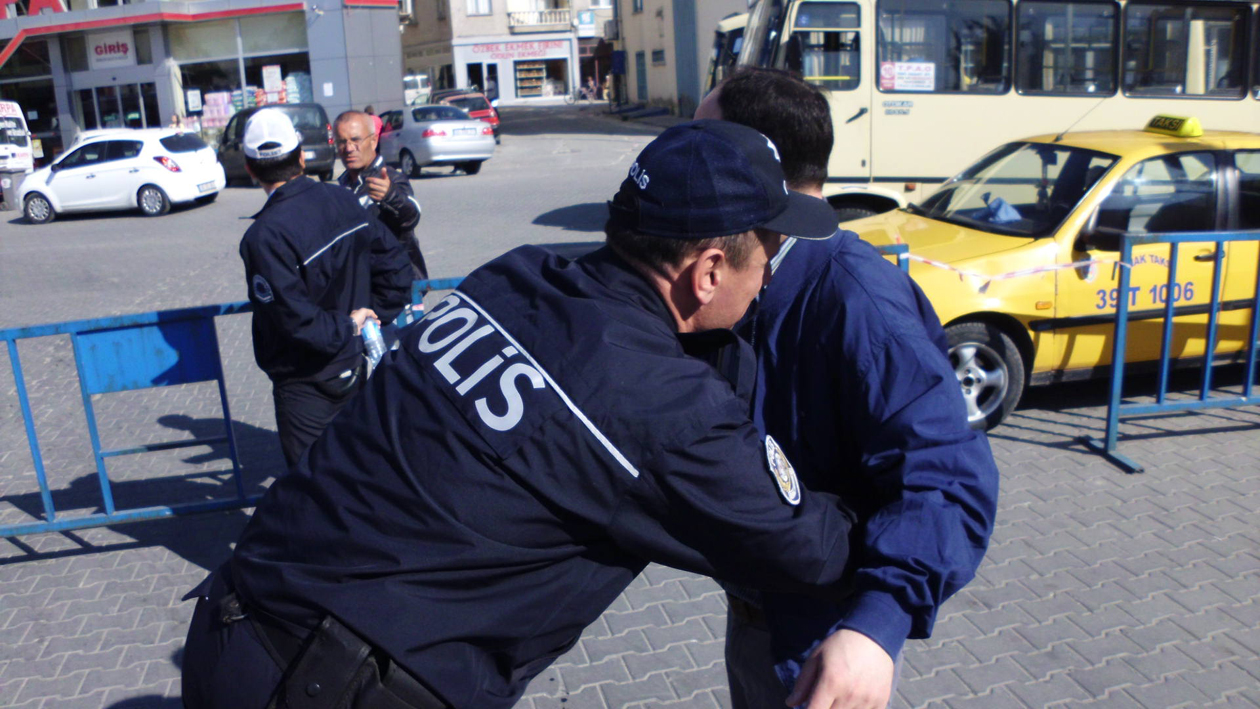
(270, 133)
(710, 178)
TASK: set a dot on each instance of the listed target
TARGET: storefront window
(294, 78)
(30, 59)
(203, 40)
(133, 116)
(110, 111)
(39, 102)
(86, 105)
(268, 33)
(148, 97)
(74, 52)
(144, 49)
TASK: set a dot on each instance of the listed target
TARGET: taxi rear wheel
(990, 371)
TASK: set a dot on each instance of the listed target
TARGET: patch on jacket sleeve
(783, 472)
(262, 289)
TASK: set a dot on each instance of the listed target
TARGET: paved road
(1100, 589)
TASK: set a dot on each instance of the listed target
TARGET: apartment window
(658, 56)
(601, 4)
(637, 6)
(478, 7)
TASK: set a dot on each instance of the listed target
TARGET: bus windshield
(1020, 189)
(761, 33)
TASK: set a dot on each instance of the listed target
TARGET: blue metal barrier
(899, 251)
(123, 354)
(1116, 407)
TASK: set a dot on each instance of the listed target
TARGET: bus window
(1185, 50)
(1066, 48)
(824, 46)
(959, 46)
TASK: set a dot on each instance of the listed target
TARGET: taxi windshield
(1020, 189)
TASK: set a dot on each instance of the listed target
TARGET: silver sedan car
(420, 136)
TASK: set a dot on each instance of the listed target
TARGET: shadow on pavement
(577, 217)
(151, 701)
(572, 250)
(203, 539)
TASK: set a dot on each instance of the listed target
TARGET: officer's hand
(361, 316)
(847, 671)
(378, 186)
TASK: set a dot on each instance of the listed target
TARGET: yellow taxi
(1019, 253)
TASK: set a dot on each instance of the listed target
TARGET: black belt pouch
(336, 669)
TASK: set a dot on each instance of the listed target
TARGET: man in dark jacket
(318, 267)
(546, 431)
(383, 191)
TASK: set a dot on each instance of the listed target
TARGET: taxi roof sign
(1176, 126)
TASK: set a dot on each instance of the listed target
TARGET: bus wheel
(848, 214)
(990, 371)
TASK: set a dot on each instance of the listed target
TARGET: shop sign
(111, 49)
(273, 82)
(521, 50)
(586, 23)
(192, 101)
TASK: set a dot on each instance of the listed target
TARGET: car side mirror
(54, 167)
(1095, 237)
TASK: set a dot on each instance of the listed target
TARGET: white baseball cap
(270, 134)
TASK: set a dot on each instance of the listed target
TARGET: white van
(416, 89)
(16, 154)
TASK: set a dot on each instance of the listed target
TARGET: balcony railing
(540, 20)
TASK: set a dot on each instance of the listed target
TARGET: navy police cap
(710, 178)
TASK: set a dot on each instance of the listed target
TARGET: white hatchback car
(148, 169)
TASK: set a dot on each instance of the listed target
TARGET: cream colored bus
(921, 88)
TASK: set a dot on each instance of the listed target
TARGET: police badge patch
(262, 289)
(783, 472)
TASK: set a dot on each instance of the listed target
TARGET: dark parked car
(311, 121)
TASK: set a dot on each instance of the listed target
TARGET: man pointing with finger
(381, 190)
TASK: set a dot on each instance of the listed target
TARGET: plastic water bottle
(373, 343)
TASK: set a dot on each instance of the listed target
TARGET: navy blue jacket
(537, 439)
(854, 383)
(311, 257)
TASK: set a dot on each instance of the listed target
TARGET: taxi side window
(1165, 194)
(87, 155)
(1248, 162)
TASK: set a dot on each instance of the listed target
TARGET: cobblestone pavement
(1100, 588)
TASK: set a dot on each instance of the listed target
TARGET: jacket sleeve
(391, 273)
(399, 210)
(935, 475)
(277, 291)
(710, 504)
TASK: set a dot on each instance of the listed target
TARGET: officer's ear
(706, 274)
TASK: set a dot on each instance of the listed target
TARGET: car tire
(471, 168)
(37, 209)
(990, 371)
(848, 214)
(407, 163)
(152, 201)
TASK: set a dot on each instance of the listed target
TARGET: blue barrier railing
(1116, 406)
(899, 251)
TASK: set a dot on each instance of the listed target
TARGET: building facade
(668, 44)
(108, 64)
(517, 51)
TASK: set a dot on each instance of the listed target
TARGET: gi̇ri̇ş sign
(107, 50)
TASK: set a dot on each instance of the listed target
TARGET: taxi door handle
(1206, 256)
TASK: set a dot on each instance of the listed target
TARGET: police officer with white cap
(318, 266)
(540, 436)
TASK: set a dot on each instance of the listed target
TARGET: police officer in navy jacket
(318, 267)
(539, 437)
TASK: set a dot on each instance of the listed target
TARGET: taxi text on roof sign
(1177, 126)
